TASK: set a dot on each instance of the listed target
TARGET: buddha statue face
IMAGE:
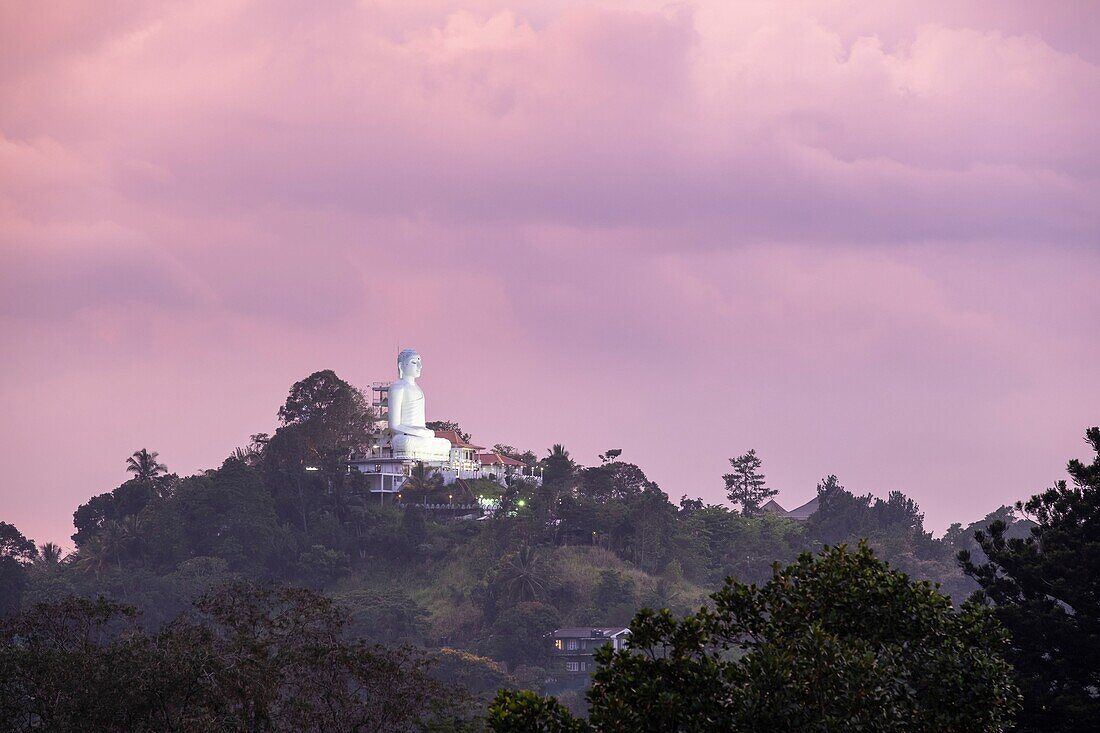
(409, 364)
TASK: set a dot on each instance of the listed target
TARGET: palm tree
(249, 456)
(50, 555)
(144, 466)
(421, 484)
(105, 549)
(523, 577)
(558, 465)
(559, 453)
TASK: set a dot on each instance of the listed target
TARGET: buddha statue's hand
(414, 431)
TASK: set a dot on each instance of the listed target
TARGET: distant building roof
(495, 459)
(772, 507)
(804, 511)
(606, 632)
(456, 441)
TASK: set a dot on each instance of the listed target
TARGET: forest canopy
(283, 520)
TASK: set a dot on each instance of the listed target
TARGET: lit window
(557, 643)
(572, 666)
(572, 644)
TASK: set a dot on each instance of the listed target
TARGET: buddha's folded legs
(421, 449)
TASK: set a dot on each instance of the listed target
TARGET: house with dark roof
(803, 512)
(772, 507)
(800, 514)
(572, 649)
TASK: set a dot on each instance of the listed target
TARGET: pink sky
(861, 238)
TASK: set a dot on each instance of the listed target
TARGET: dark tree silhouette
(1045, 589)
(834, 642)
(745, 486)
(144, 466)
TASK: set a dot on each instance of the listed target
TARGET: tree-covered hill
(590, 546)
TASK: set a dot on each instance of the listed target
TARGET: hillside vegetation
(589, 546)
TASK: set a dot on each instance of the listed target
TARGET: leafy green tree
(518, 636)
(53, 668)
(319, 566)
(648, 524)
(144, 465)
(713, 542)
(90, 517)
(16, 552)
(324, 421)
(227, 513)
(527, 458)
(523, 711)
(480, 675)
(413, 530)
(123, 506)
(745, 486)
(615, 480)
(613, 598)
(611, 455)
(251, 658)
(958, 538)
(558, 466)
(15, 546)
(384, 616)
(834, 642)
(894, 526)
(438, 425)
(1045, 588)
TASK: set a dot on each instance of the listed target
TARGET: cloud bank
(862, 240)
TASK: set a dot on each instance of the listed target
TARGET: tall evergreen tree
(1045, 589)
(745, 486)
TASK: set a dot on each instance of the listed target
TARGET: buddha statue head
(409, 364)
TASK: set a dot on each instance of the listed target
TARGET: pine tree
(745, 486)
(1045, 589)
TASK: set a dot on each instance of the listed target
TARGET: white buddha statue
(410, 439)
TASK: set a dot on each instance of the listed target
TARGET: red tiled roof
(456, 441)
(495, 459)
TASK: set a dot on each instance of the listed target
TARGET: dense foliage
(830, 643)
(250, 658)
(1045, 588)
(586, 546)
